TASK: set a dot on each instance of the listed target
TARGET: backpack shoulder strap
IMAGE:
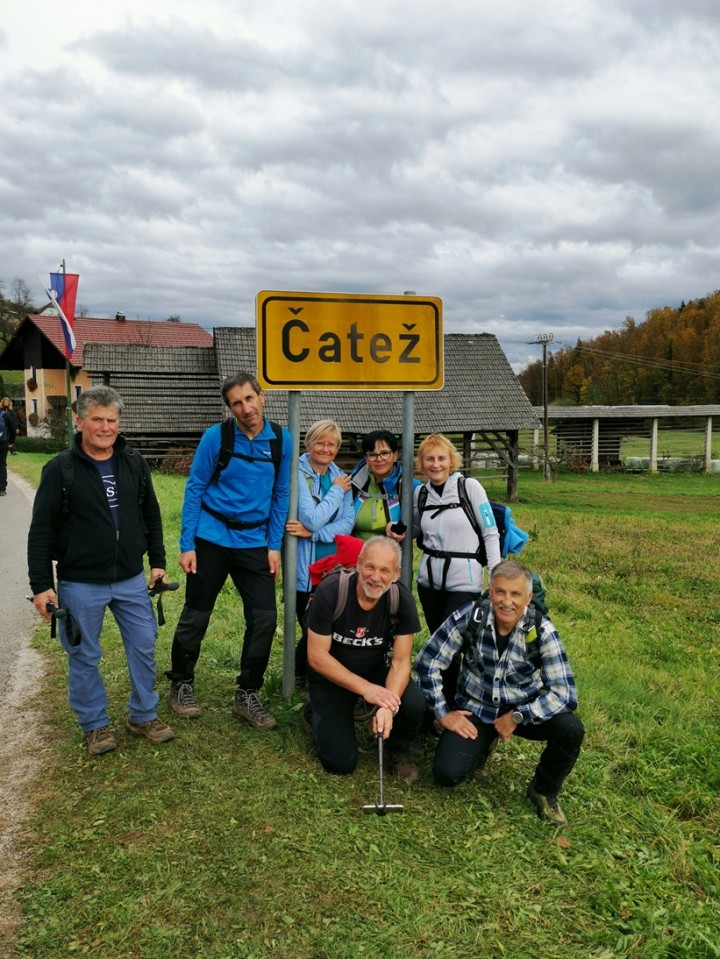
(136, 466)
(478, 622)
(394, 598)
(343, 576)
(276, 445)
(422, 506)
(533, 638)
(472, 519)
(227, 442)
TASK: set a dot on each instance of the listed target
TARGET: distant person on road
(514, 679)
(96, 513)
(365, 650)
(233, 520)
(8, 429)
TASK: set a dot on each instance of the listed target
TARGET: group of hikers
(493, 666)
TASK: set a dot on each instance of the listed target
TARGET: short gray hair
(392, 543)
(98, 396)
(511, 569)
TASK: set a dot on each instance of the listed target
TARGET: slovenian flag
(63, 293)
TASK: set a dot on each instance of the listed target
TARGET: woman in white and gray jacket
(450, 573)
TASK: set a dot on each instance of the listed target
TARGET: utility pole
(543, 339)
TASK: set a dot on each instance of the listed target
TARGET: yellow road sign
(346, 341)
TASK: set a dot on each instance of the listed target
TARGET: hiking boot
(100, 741)
(547, 807)
(182, 700)
(247, 706)
(405, 769)
(155, 730)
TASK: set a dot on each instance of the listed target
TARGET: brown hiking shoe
(100, 741)
(548, 808)
(247, 706)
(154, 730)
(182, 700)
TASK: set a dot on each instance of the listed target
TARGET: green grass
(231, 844)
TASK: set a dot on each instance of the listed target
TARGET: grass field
(231, 844)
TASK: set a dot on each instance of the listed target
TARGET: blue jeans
(130, 604)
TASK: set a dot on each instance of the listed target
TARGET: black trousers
(333, 724)
(250, 572)
(456, 758)
(437, 605)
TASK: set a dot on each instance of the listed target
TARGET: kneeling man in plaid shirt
(515, 680)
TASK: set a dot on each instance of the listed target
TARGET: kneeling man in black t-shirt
(365, 650)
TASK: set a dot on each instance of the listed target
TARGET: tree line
(673, 357)
(15, 303)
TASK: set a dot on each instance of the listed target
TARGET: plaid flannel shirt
(489, 685)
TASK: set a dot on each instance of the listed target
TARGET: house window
(78, 391)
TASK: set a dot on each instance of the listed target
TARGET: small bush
(38, 444)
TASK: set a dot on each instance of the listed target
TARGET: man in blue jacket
(96, 513)
(233, 519)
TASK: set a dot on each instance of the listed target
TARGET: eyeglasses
(380, 455)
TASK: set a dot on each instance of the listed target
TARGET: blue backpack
(512, 538)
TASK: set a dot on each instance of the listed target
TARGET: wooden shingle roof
(481, 392)
(167, 390)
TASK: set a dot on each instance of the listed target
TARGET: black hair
(379, 436)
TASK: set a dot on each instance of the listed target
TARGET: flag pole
(68, 393)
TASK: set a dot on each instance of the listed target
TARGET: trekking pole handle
(160, 587)
(54, 610)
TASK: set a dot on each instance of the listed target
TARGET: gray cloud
(546, 167)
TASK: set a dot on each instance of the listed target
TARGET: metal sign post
(338, 341)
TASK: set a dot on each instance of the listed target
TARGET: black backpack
(4, 429)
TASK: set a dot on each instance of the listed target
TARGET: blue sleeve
(201, 474)
(280, 502)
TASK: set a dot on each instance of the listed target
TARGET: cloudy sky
(541, 167)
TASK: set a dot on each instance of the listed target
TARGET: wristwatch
(517, 718)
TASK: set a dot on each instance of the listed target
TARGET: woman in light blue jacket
(325, 508)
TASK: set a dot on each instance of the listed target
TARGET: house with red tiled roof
(37, 347)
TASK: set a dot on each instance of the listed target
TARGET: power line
(652, 364)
